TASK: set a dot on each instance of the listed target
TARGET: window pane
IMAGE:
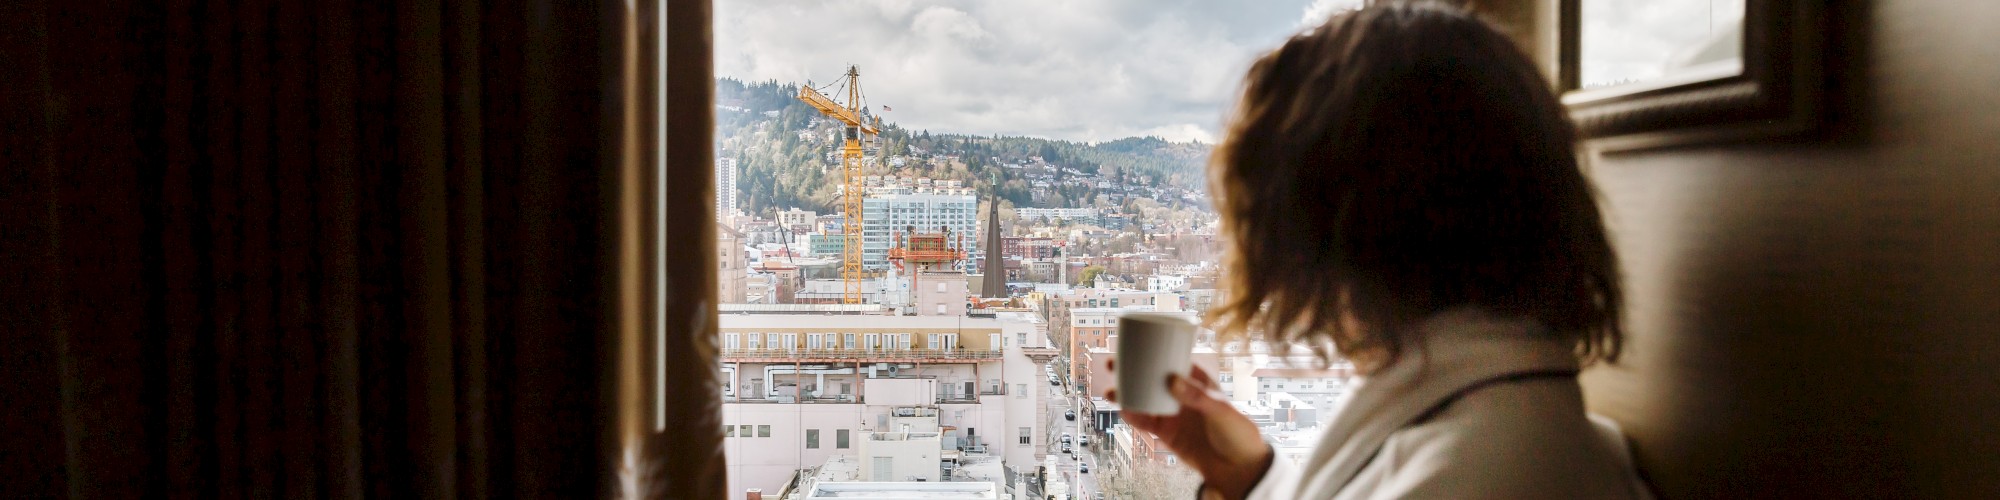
(746, 431)
(840, 439)
(812, 439)
(728, 431)
(763, 431)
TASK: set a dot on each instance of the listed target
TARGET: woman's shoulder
(1519, 439)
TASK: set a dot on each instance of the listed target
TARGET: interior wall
(1814, 317)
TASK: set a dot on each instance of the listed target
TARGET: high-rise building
(725, 187)
(895, 205)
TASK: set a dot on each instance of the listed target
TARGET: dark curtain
(303, 249)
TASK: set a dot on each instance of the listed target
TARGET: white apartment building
(1167, 283)
(798, 220)
(893, 208)
(1077, 215)
(725, 188)
(800, 388)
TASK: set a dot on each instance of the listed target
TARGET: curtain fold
(332, 249)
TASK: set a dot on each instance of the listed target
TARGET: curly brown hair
(1395, 162)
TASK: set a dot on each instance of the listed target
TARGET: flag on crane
(885, 107)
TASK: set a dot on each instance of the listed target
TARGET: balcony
(870, 355)
(1041, 355)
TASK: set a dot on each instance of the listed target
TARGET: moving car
(1082, 468)
(1083, 440)
(1069, 414)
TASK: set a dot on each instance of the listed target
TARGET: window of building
(840, 439)
(848, 341)
(1020, 391)
(746, 431)
(934, 337)
(940, 309)
(940, 287)
(812, 439)
(763, 431)
(1027, 436)
(1021, 339)
(728, 431)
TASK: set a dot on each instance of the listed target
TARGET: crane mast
(856, 127)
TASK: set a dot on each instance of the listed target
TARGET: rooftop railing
(862, 354)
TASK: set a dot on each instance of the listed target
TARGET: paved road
(1061, 401)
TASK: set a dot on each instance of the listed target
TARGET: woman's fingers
(1190, 394)
(1201, 377)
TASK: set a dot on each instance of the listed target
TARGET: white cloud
(1065, 69)
(1317, 13)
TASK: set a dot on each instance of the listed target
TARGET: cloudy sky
(1626, 40)
(1089, 70)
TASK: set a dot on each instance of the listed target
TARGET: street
(1083, 485)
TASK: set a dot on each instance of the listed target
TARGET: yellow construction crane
(857, 128)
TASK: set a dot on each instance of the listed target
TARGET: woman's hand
(1208, 434)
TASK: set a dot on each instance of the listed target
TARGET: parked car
(1069, 414)
(1083, 440)
(1065, 438)
(1065, 448)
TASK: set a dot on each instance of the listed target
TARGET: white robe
(1488, 408)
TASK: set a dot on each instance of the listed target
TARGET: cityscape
(960, 348)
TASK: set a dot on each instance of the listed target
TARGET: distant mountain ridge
(787, 158)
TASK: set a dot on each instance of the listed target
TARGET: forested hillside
(786, 157)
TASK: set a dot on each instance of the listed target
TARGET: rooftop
(886, 490)
(799, 308)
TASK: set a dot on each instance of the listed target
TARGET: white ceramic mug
(1150, 346)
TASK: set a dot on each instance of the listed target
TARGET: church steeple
(994, 285)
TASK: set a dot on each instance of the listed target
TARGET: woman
(1401, 185)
